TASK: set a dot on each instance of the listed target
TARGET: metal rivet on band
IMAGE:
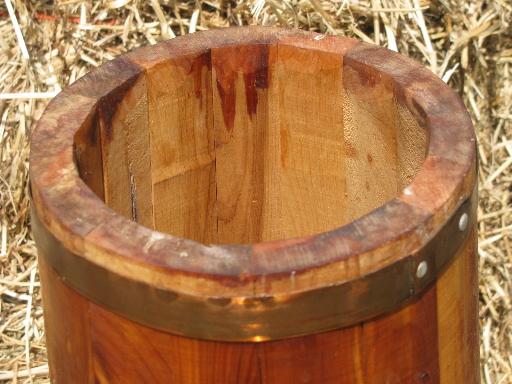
(422, 269)
(463, 222)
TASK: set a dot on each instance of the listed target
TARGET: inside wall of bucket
(243, 144)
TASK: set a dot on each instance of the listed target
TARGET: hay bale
(468, 44)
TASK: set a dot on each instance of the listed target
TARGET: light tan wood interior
(244, 144)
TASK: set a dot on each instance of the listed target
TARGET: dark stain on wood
(108, 85)
(227, 93)
(108, 105)
(196, 70)
(256, 78)
(419, 113)
(92, 132)
(252, 62)
(88, 155)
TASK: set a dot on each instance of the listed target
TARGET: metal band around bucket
(263, 317)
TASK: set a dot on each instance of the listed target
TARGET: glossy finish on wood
(276, 164)
(259, 318)
(434, 340)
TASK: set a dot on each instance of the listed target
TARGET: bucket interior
(244, 144)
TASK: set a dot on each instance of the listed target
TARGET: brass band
(262, 318)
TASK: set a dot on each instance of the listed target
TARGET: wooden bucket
(257, 205)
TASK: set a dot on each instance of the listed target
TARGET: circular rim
(87, 227)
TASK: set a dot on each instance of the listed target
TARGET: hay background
(467, 43)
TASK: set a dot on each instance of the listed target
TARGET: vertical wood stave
(244, 143)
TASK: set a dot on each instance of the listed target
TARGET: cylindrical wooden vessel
(257, 205)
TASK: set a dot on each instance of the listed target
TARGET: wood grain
(371, 163)
(181, 137)
(312, 176)
(88, 153)
(403, 347)
(331, 357)
(241, 102)
(457, 301)
(67, 329)
(266, 165)
(120, 351)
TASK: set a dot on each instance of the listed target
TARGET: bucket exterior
(389, 297)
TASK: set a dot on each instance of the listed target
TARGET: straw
(45, 45)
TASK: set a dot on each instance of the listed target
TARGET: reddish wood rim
(263, 317)
(87, 227)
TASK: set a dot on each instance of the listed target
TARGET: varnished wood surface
(434, 340)
(310, 160)
(443, 178)
(292, 173)
(460, 334)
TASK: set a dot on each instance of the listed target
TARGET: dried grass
(467, 43)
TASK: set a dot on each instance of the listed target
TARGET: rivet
(422, 269)
(463, 222)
